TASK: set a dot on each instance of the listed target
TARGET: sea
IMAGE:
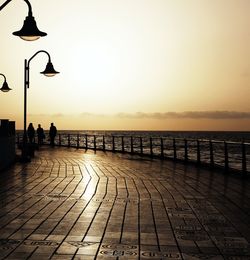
(234, 140)
(230, 136)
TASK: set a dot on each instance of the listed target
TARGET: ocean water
(150, 142)
(209, 135)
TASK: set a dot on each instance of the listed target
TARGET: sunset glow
(131, 65)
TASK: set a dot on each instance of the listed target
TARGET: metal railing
(217, 154)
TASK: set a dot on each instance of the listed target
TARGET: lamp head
(5, 87)
(49, 70)
(29, 31)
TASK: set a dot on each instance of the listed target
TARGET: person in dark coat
(40, 134)
(52, 134)
(31, 133)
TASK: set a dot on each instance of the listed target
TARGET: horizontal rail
(219, 154)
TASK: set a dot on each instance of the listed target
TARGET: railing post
(162, 148)
(94, 142)
(77, 141)
(103, 143)
(141, 146)
(113, 143)
(123, 144)
(186, 149)
(86, 140)
(198, 152)
(174, 146)
(132, 144)
(68, 140)
(244, 159)
(60, 140)
(226, 156)
(211, 153)
(151, 146)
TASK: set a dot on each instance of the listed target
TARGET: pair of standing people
(41, 135)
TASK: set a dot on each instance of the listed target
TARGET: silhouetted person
(40, 134)
(31, 133)
(52, 134)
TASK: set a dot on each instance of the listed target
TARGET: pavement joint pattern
(76, 204)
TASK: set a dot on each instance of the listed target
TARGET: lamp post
(5, 87)
(29, 31)
(49, 72)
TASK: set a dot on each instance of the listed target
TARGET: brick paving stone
(77, 204)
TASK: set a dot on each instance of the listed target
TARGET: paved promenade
(73, 204)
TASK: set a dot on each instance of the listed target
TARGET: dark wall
(7, 143)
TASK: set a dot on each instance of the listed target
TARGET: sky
(130, 64)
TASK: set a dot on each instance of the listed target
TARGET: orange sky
(139, 65)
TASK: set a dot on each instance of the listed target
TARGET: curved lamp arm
(26, 1)
(27, 67)
(3, 76)
(49, 70)
(29, 6)
(36, 54)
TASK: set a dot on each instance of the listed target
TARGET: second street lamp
(5, 87)
(49, 72)
(29, 31)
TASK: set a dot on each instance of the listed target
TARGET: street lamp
(5, 87)
(49, 72)
(29, 31)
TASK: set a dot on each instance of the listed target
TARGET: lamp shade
(5, 87)
(29, 31)
(49, 70)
